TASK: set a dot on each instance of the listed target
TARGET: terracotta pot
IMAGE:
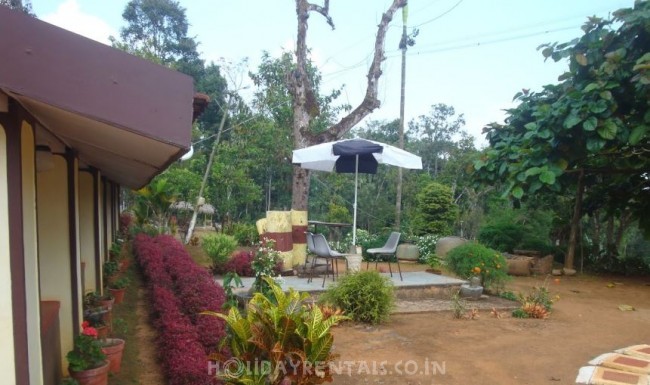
(118, 294)
(96, 376)
(113, 348)
(102, 331)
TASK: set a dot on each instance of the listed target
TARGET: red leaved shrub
(240, 263)
(180, 289)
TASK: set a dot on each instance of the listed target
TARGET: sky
(473, 55)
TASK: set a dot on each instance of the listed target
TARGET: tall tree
(591, 129)
(436, 132)
(25, 6)
(157, 30)
(305, 104)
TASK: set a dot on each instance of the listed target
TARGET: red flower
(89, 331)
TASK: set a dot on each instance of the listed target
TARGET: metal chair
(312, 257)
(390, 250)
(322, 250)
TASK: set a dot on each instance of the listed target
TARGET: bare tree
(305, 103)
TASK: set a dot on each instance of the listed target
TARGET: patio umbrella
(354, 156)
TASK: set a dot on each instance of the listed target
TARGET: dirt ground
(433, 348)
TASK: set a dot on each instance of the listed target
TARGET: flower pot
(118, 294)
(113, 348)
(102, 331)
(354, 262)
(95, 376)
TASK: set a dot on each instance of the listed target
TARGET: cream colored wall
(87, 229)
(7, 359)
(30, 244)
(54, 246)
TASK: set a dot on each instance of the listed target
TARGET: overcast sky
(471, 54)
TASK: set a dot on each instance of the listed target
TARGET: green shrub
(245, 233)
(472, 259)
(364, 296)
(289, 339)
(218, 247)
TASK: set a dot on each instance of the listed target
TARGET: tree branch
(370, 101)
(324, 10)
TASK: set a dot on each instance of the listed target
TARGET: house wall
(54, 246)
(7, 359)
(30, 246)
(87, 230)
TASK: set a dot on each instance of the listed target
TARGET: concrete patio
(416, 284)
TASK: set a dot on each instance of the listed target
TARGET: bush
(240, 263)
(427, 247)
(472, 259)
(365, 296)
(245, 234)
(219, 247)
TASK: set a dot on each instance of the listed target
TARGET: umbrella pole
(356, 183)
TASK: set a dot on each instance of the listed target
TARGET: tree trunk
(190, 228)
(305, 103)
(575, 222)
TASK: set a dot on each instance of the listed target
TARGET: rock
(569, 272)
(447, 243)
(556, 272)
(520, 266)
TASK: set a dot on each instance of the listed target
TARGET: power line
(439, 16)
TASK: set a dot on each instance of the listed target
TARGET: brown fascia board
(74, 73)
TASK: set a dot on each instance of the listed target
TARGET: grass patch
(125, 322)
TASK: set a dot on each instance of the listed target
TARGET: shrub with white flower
(265, 263)
(427, 247)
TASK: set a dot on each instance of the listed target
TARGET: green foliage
(218, 247)
(538, 295)
(86, 352)
(509, 295)
(120, 283)
(472, 259)
(244, 233)
(281, 339)
(458, 306)
(427, 247)
(264, 264)
(152, 204)
(231, 280)
(520, 313)
(525, 228)
(110, 268)
(593, 123)
(366, 241)
(365, 296)
(436, 210)
(338, 214)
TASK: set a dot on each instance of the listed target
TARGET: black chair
(390, 250)
(322, 250)
(311, 264)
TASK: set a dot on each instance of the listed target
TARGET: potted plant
(113, 349)
(87, 363)
(110, 270)
(98, 311)
(118, 287)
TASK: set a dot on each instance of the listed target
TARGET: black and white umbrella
(354, 156)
